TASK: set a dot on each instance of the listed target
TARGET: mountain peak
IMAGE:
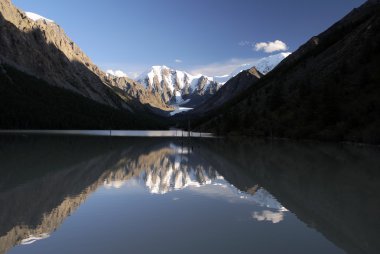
(263, 66)
(160, 67)
(267, 64)
(176, 86)
(36, 17)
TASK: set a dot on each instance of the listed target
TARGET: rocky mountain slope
(137, 94)
(42, 48)
(27, 102)
(328, 89)
(39, 47)
(178, 87)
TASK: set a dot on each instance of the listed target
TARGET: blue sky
(209, 36)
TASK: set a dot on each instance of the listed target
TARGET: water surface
(165, 195)
(112, 133)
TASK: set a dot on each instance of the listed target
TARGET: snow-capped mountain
(181, 88)
(174, 168)
(266, 64)
(178, 87)
(165, 85)
(263, 65)
(35, 17)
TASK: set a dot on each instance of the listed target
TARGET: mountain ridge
(326, 90)
(45, 51)
(35, 54)
(176, 87)
(233, 88)
(263, 65)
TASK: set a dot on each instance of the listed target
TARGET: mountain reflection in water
(331, 188)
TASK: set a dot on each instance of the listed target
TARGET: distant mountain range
(44, 51)
(178, 87)
(181, 88)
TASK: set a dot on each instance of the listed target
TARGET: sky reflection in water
(101, 195)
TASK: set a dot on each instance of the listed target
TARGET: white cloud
(274, 217)
(270, 47)
(113, 184)
(131, 70)
(117, 73)
(178, 61)
(121, 74)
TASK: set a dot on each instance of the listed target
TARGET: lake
(82, 194)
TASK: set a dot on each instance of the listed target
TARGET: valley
(189, 127)
(320, 91)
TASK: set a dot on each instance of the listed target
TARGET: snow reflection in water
(143, 191)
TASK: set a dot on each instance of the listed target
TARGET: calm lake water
(170, 195)
(111, 133)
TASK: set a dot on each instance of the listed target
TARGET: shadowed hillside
(48, 82)
(27, 102)
(328, 89)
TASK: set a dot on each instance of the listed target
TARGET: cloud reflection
(266, 215)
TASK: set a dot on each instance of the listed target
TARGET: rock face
(178, 87)
(136, 93)
(328, 89)
(40, 47)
